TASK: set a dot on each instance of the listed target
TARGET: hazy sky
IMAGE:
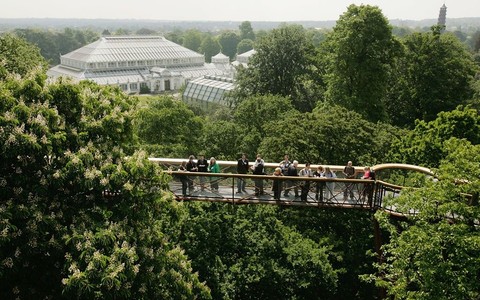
(227, 10)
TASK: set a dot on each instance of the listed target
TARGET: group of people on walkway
(299, 188)
(287, 168)
(201, 165)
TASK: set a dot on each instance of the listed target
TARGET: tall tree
(244, 46)
(433, 75)
(359, 53)
(228, 42)
(254, 113)
(246, 31)
(209, 47)
(163, 116)
(175, 36)
(282, 64)
(253, 255)
(329, 134)
(18, 57)
(192, 39)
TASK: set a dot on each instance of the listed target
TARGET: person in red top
(367, 188)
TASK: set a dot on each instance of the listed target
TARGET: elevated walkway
(317, 192)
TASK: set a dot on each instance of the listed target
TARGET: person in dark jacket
(242, 168)
(291, 184)
(277, 184)
(305, 172)
(202, 166)
(183, 178)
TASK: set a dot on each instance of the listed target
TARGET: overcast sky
(227, 10)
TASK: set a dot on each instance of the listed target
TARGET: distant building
(134, 62)
(244, 58)
(222, 62)
(442, 16)
(209, 90)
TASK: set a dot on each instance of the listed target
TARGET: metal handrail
(378, 191)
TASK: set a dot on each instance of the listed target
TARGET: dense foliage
(52, 44)
(435, 254)
(79, 217)
(434, 74)
(359, 53)
(282, 65)
(427, 144)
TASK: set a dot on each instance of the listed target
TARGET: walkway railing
(318, 192)
(296, 191)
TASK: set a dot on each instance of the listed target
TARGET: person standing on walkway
(258, 168)
(305, 172)
(277, 184)
(191, 167)
(213, 167)
(202, 166)
(242, 168)
(293, 172)
(183, 178)
(320, 187)
(367, 191)
(284, 165)
(349, 173)
(330, 184)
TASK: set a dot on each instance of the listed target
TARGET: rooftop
(130, 48)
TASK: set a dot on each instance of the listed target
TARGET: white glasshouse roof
(128, 48)
(209, 89)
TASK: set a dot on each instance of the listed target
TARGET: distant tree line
(52, 44)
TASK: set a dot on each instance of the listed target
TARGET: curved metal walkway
(317, 192)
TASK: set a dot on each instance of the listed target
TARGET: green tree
(282, 65)
(359, 53)
(475, 41)
(246, 31)
(254, 112)
(192, 39)
(247, 252)
(167, 127)
(209, 47)
(53, 43)
(44, 40)
(175, 36)
(435, 254)
(427, 143)
(122, 31)
(228, 42)
(244, 46)
(222, 139)
(349, 235)
(317, 36)
(79, 216)
(433, 75)
(18, 57)
(329, 135)
(145, 31)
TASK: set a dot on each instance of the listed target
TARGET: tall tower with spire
(442, 16)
